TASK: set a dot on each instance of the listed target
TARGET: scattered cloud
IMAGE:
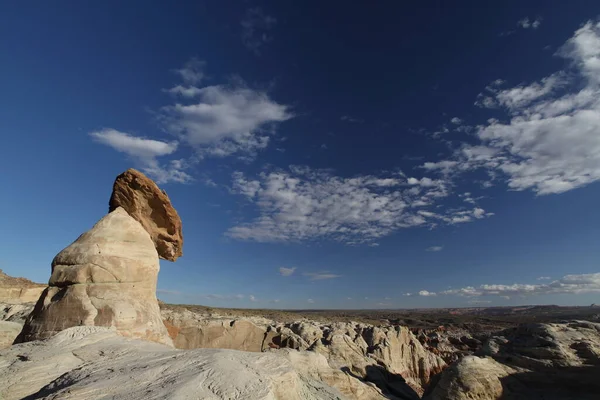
(311, 301)
(549, 141)
(426, 293)
(223, 120)
(319, 276)
(223, 296)
(526, 23)
(303, 204)
(286, 271)
(407, 294)
(167, 291)
(252, 298)
(144, 153)
(348, 118)
(434, 248)
(544, 278)
(569, 284)
(192, 73)
(456, 121)
(256, 27)
(477, 301)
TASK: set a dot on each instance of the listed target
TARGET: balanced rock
(151, 207)
(107, 277)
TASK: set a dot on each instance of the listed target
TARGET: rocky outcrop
(532, 361)
(8, 332)
(96, 363)
(18, 290)
(107, 277)
(151, 207)
(389, 358)
(189, 330)
(471, 378)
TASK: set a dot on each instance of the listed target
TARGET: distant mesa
(146, 203)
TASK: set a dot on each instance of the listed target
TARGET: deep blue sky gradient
(71, 67)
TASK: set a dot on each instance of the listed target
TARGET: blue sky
(321, 155)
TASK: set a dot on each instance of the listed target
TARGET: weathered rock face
(19, 290)
(532, 361)
(96, 363)
(8, 332)
(107, 277)
(151, 207)
(391, 356)
(471, 378)
(192, 331)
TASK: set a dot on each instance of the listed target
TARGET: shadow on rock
(393, 386)
(558, 383)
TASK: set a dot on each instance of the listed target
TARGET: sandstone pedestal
(107, 277)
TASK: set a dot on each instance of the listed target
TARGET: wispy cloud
(348, 118)
(544, 278)
(223, 120)
(305, 204)
(527, 23)
(286, 271)
(426, 293)
(319, 276)
(569, 284)
(311, 301)
(144, 153)
(256, 28)
(192, 73)
(168, 291)
(435, 248)
(252, 298)
(549, 141)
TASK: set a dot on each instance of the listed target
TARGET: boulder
(471, 378)
(151, 207)
(107, 277)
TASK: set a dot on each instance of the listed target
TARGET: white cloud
(456, 121)
(407, 294)
(304, 204)
(311, 301)
(526, 23)
(189, 91)
(252, 298)
(319, 276)
(256, 26)
(550, 142)
(286, 271)
(192, 72)
(144, 152)
(224, 120)
(569, 284)
(544, 278)
(435, 248)
(223, 296)
(426, 293)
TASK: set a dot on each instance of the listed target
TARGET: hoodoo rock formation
(151, 207)
(108, 276)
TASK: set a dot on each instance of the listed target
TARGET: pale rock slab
(95, 363)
